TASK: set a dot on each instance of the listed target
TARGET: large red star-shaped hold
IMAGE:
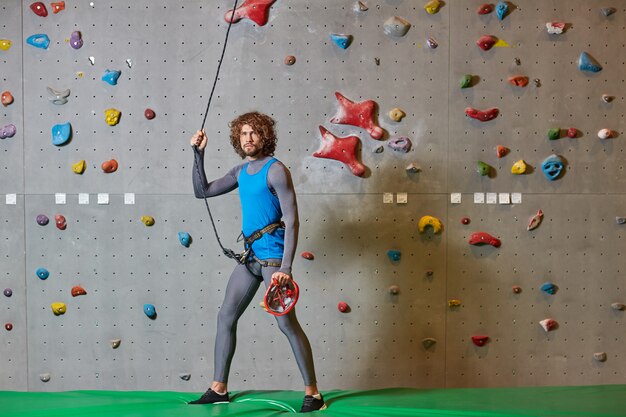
(340, 149)
(256, 10)
(357, 114)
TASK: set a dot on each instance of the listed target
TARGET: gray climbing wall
(172, 50)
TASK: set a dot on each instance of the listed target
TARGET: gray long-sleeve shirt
(278, 181)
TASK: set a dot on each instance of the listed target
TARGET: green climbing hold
(466, 81)
(554, 133)
(482, 168)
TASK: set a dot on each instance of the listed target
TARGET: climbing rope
(228, 252)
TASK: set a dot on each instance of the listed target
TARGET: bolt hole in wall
(413, 335)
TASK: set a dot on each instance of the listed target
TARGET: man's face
(251, 143)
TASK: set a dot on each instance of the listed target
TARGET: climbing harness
(228, 252)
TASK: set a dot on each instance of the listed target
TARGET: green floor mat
(586, 401)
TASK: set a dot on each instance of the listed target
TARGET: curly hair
(262, 124)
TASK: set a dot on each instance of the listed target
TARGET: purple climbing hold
(7, 131)
(608, 11)
(432, 44)
(8, 292)
(76, 40)
(400, 143)
(42, 219)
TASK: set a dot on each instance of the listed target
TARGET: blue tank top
(260, 208)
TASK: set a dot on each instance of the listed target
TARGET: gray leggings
(241, 288)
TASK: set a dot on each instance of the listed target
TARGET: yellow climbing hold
(147, 220)
(112, 116)
(79, 167)
(5, 44)
(432, 6)
(396, 114)
(501, 44)
(58, 308)
(80, 74)
(519, 167)
(454, 303)
(431, 221)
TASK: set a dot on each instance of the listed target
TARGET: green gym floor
(585, 401)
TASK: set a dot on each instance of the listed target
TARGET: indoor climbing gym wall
(459, 168)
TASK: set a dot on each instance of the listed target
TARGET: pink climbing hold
(480, 340)
(308, 255)
(482, 115)
(39, 9)
(340, 149)
(484, 238)
(486, 42)
(548, 324)
(535, 221)
(255, 10)
(357, 114)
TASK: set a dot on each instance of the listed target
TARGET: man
(267, 196)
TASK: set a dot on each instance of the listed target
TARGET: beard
(252, 150)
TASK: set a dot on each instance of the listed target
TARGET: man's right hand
(199, 140)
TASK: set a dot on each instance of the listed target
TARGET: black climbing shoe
(311, 403)
(211, 397)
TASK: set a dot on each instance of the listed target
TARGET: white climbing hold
(92, 60)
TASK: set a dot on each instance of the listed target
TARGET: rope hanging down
(228, 252)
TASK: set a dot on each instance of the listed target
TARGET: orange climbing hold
(78, 290)
(7, 98)
(57, 6)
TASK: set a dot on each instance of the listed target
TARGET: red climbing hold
(308, 255)
(78, 290)
(60, 222)
(518, 80)
(149, 114)
(357, 114)
(340, 149)
(8, 327)
(572, 132)
(485, 9)
(482, 115)
(517, 289)
(256, 10)
(465, 220)
(39, 9)
(486, 42)
(482, 238)
(109, 166)
(343, 307)
(480, 340)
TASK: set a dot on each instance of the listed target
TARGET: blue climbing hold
(502, 9)
(111, 76)
(552, 167)
(42, 273)
(39, 40)
(150, 310)
(184, 238)
(342, 41)
(61, 134)
(549, 288)
(394, 255)
(587, 63)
